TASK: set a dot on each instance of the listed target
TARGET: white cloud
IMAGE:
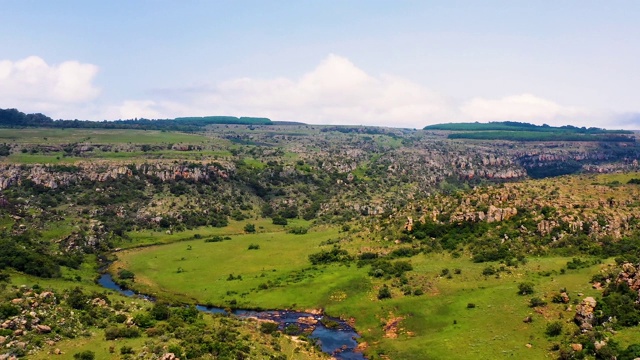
(335, 92)
(33, 85)
(525, 107)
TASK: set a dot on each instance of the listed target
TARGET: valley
(430, 246)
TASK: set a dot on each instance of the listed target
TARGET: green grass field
(96, 136)
(436, 325)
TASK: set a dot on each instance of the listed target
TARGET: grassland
(436, 325)
(96, 136)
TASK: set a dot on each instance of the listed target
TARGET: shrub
(268, 327)
(298, 230)
(554, 328)
(418, 292)
(125, 274)
(292, 329)
(250, 228)
(113, 333)
(536, 302)
(489, 270)
(216, 238)
(124, 350)
(525, 288)
(143, 320)
(280, 221)
(85, 355)
(384, 293)
(471, 306)
(254, 246)
(334, 255)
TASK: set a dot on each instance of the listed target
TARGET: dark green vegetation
(516, 131)
(15, 118)
(435, 248)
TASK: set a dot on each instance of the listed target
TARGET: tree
(384, 292)
(525, 288)
(250, 228)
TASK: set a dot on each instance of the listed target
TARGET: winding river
(337, 341)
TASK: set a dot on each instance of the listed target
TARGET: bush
(280, 221)
(85, 355)
(250, 228)
(113, 333)
(471, 306)
(125, 274)
(554, 328)
(537, 302)
(292, 329)
(254, 247)
(334, 255)
(216, 238)
(298, 230)
(525, 288)
(268, 327)
(489, 270)
(124, 350)
(384, 293)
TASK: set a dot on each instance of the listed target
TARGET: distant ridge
(15, 118)
(517, 131)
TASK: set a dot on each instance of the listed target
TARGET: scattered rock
(43, 329)
(584, 314)
(576, 347)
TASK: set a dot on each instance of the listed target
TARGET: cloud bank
(336, 91)
(33, 84)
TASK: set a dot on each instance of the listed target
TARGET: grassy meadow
(96, 136)
(436, 325)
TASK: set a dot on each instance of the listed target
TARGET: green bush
(85, 355)
(553, 329)
(268, 327)
(384, 293)
(536, 302)
(125, 274)
(280, 221)
(525, 288)
(112, 333)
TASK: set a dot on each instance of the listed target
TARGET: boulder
(43, 329)
(584, 314)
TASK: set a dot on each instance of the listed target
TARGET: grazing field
(96, 136)
(440, 324)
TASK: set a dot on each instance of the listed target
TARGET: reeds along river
(338, 341)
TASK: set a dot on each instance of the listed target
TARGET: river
(337, 341)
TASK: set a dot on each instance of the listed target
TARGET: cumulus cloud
(524, 107)
(335, 92)
(31, 84)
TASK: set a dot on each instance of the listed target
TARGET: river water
(339, 341)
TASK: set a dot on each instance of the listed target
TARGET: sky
(391, 63)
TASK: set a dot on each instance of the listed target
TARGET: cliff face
(54, 177)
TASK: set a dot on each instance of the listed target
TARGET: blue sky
(393, 63)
